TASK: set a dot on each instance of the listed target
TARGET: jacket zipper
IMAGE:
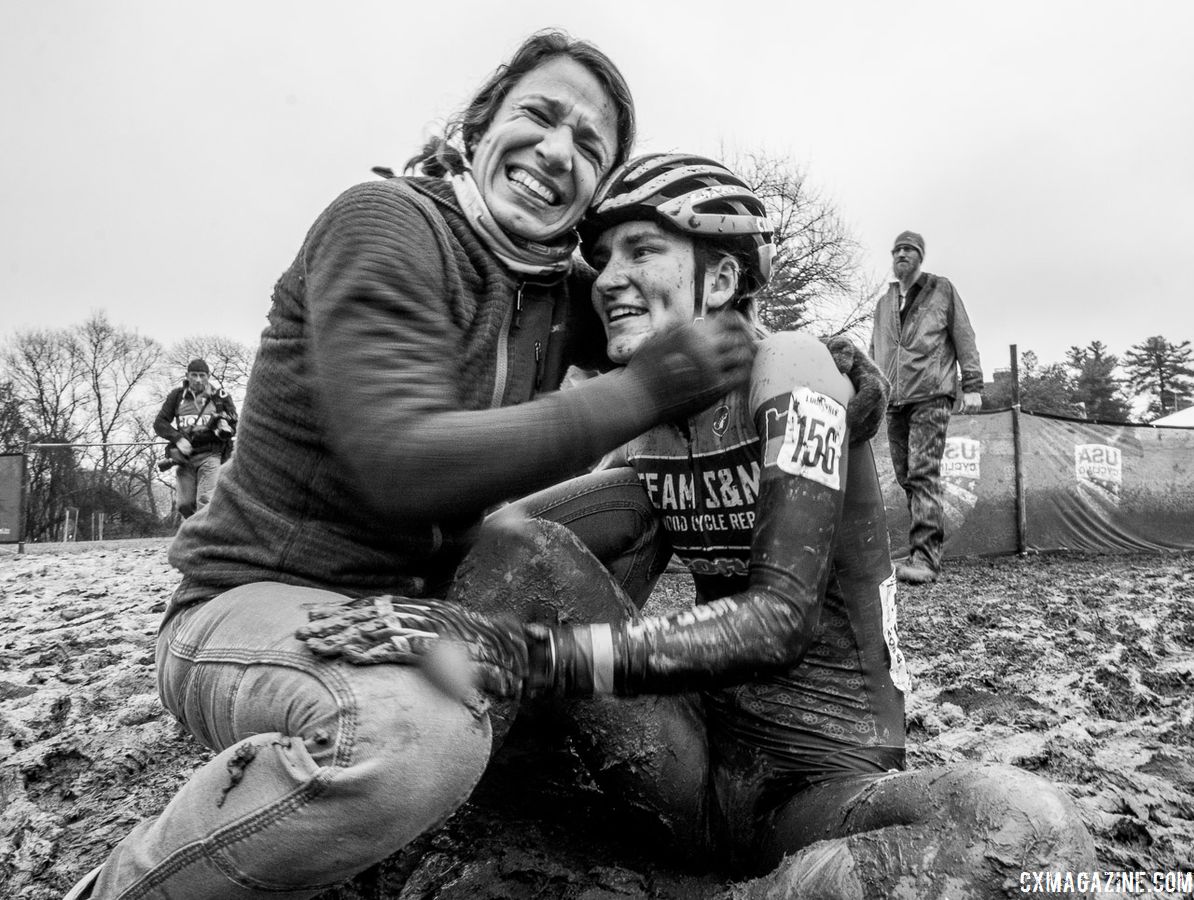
(502, 369)
(899, 330)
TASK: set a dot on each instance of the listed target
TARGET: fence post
(70, 524)
(1018, 460)
(23, 502)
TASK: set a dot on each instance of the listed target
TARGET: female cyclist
(778, 741)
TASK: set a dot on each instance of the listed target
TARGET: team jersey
(747, 490)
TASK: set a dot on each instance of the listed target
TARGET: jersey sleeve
(798, 399)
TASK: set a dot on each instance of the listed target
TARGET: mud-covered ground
(1078, 668)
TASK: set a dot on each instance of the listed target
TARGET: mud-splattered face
(645, 285)
(551, 141)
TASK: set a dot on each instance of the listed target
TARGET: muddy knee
(1029, 822)
(537, 570)
(964, 830)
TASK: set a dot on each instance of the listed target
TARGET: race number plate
(813, 440)
(900, 676)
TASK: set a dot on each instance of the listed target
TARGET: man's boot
(915, 571)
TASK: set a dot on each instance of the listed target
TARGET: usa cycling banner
(1089, 487)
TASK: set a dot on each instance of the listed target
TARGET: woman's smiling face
(550, 143)
(644, 286)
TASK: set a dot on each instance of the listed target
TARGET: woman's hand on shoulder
(689, 367)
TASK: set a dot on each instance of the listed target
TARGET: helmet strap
(698, 283)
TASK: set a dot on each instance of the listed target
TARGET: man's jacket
(921, 358)
(186, 414)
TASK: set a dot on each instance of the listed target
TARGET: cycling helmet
(690, 194)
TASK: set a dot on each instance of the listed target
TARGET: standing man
(199, 423)
(922, 335)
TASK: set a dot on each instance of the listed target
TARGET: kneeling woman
(777, 738)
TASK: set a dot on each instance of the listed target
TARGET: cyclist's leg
(652, 754)
(648, 752)
(611, 514)
(948, 831)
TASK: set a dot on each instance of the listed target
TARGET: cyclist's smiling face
(644, 285)
(550, 143)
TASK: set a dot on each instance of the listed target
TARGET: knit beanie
(198, 365)
(912, 239)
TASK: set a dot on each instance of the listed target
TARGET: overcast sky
(163, 160)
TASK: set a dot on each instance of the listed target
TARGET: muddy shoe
(82, 890)
(915, 573)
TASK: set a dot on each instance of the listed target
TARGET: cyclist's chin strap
(698, 285)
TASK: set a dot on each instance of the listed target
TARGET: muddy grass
(1080, 669)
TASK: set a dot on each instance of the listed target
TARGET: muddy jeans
(326, 768)
(322, 768)
(196, 479)
(916, 439)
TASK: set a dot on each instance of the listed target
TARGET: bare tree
(144, 482)
(847, 314)
(83, 387)
(15, 429)
(815, 279)
(230, 361)
(47, 380)
(116, 364)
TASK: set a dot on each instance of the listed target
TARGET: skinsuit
(795, 734)
(794, 743)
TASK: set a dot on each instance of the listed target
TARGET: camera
(222, 429)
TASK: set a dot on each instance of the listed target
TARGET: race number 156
(812, 445)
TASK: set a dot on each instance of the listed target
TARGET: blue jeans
(196, 479)
(322, 768)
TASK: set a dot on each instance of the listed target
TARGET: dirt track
(1080, 669)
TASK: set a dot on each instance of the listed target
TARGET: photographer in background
(199, 423)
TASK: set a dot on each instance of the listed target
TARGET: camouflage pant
(916, 440)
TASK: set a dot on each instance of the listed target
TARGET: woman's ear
(721, 282)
